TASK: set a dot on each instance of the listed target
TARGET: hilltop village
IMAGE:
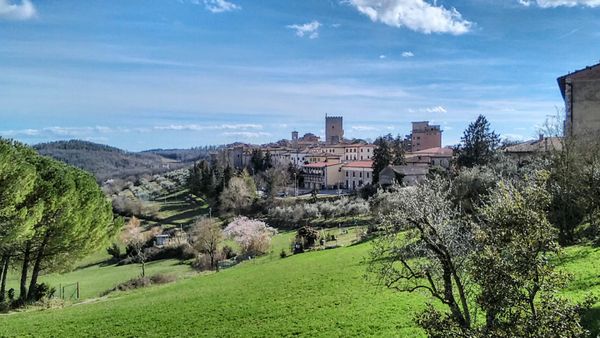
(339, 163)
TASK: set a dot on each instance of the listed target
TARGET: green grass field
(319, 293)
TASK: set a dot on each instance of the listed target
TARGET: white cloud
(382, 56)
(197, 127)
(247, 134)
(363, 128)
(219, 6)
(310, 29)
(416, 15)
(437, 109)
(15, 11)
(407, 54)
(558, 3)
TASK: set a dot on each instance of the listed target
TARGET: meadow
(322, 293)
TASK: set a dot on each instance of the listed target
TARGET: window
(368, 175)
(360, 175)
(346, 174)
(353, 174)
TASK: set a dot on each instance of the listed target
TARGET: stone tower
(334, 129)
(295, 138)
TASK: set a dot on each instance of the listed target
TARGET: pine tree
(382, 156)
(479, 144)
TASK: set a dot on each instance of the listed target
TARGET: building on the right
(425, 136)
(581, 92)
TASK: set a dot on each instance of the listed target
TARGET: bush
(141, 282)
(42, 291)
(115, 251)
(182, 252)
(283, 253)
(202, 263)
(307, 237)
(228, 252)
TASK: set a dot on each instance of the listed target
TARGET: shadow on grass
(101, 264)
(567, 258)
(591, 320)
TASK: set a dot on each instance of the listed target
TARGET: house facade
(356, 175)
(322, 175)
(581, 92)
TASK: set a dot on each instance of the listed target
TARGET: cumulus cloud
(407, 54)
(220, 6)
(310, 29)
(382, 56)
(558, 3)
(416, 15)
(16, 11)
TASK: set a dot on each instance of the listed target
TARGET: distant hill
(106, 162)
(183, 155)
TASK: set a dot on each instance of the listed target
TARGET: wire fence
(69, 291)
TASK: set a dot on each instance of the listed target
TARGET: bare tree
(207, 235)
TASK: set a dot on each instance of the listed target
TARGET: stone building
(334, 129)
(425, 136)
(581, 92)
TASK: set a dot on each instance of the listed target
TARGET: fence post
(77, 290)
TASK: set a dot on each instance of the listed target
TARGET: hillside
(315, 294)
(104, 161)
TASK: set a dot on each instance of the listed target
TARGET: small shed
(161, 240)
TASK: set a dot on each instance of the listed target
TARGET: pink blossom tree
(253, 236)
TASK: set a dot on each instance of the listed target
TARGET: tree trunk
(37, 266)
(5, 261)
(23, 291)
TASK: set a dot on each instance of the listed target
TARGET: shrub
(283, 253)
(202, 262)
(228, 252)
(307, 236)
(115, 251)
(182, 252)
(141, 282)
(42, 291)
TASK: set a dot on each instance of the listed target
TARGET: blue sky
(142, 74)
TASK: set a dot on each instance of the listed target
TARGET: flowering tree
(253, 236)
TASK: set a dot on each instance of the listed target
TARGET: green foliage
(55, 216)
(502, 255)
(114, 251)
(478, 144)
(388, 151)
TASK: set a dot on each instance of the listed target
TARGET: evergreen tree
(397, 146)
(382, 156)
(479, 144)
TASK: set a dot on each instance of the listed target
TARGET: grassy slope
(314, 294)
